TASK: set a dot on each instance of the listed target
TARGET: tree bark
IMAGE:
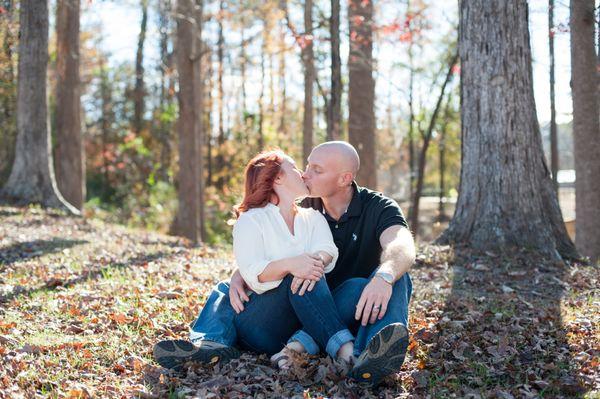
(361, 90)
(282, 86)
(219, 158)
(308, 59)
(334, 109)
(553, 135)
(190, 214)
(586, 128)
(69, 153)
(166, 97)
(138, 93)
(506, 198)
(8, 123)
(32, 176)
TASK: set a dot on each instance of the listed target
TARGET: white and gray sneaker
(173, 354)
(383, 355)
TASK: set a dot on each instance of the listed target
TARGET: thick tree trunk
(190, 216)
(32, 176)
(553, 135)
(506, 194)
(361, 90)
(308, 59)
(138, 93)
(69, 154)
(586, 128)
(334, 109)
(8, 101)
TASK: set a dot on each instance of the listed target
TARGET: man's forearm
(398, 255)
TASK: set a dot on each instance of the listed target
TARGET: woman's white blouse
(261, 236)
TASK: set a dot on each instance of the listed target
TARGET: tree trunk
(138, 93)
(261, 98)
(32, 176)
(106, 119)
(308, 59)
(553, 138)
(190, 215)
(69, 153)
(8, 124)
(414, 215)
(219, 158)
(282, 86)
(506, 195)
(166, 98)
(586, 128)
(207, 112)
(442, 160)
(361, 90)
(334, 110)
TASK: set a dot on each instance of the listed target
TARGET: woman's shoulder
(309, 213)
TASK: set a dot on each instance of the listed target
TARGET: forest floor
(82, 303)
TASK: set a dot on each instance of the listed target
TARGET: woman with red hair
(282, 252)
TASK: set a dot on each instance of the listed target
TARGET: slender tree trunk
(69, 161)
(261, 98)
(334, 110)
(106, 119)
(164, 133)
(586, 128)
(190, 215)
(506, 194)
(308, 59)
(411, 124)
(442, 160)
(138, 93)
(32, 176)
(207, 114)
(361, 90)
(414, 216)
(219, 158)
(243, 66)
(282, 86)
(553, 138)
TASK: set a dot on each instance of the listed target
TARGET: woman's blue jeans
(268, 322)
(271, 318)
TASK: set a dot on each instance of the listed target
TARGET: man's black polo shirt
(356, 234)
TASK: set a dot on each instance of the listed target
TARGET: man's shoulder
(373, 198)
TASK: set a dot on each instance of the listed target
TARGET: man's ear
(346, 179)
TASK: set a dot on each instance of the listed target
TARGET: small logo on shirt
(354, 237)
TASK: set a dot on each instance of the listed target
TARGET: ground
(82, 302)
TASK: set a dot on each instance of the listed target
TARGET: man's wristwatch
(387, 277)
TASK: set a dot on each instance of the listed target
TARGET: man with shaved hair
(370, 283)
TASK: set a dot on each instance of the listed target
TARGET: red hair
(260, 175)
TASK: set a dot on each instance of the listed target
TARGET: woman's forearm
(275, 270)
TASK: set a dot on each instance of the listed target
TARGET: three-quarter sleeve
(249, 252)
(321, 239)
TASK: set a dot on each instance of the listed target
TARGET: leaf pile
(82, 303)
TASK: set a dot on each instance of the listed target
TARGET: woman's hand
(237, 292)
(303, 285)
(307, 267)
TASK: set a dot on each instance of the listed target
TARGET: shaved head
(341, 155)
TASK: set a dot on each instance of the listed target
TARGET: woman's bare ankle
(346, 352)
(296, 346)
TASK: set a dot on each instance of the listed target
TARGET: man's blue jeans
(218, 321)
(269, 319)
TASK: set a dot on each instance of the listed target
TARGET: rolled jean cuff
(196, 336)
(307, 342)
(337, 340)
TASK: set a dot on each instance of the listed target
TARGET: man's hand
(373, 301)
(303, 285)
(237, 292)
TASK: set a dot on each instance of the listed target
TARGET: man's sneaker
(383, 355)
(172, 354)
